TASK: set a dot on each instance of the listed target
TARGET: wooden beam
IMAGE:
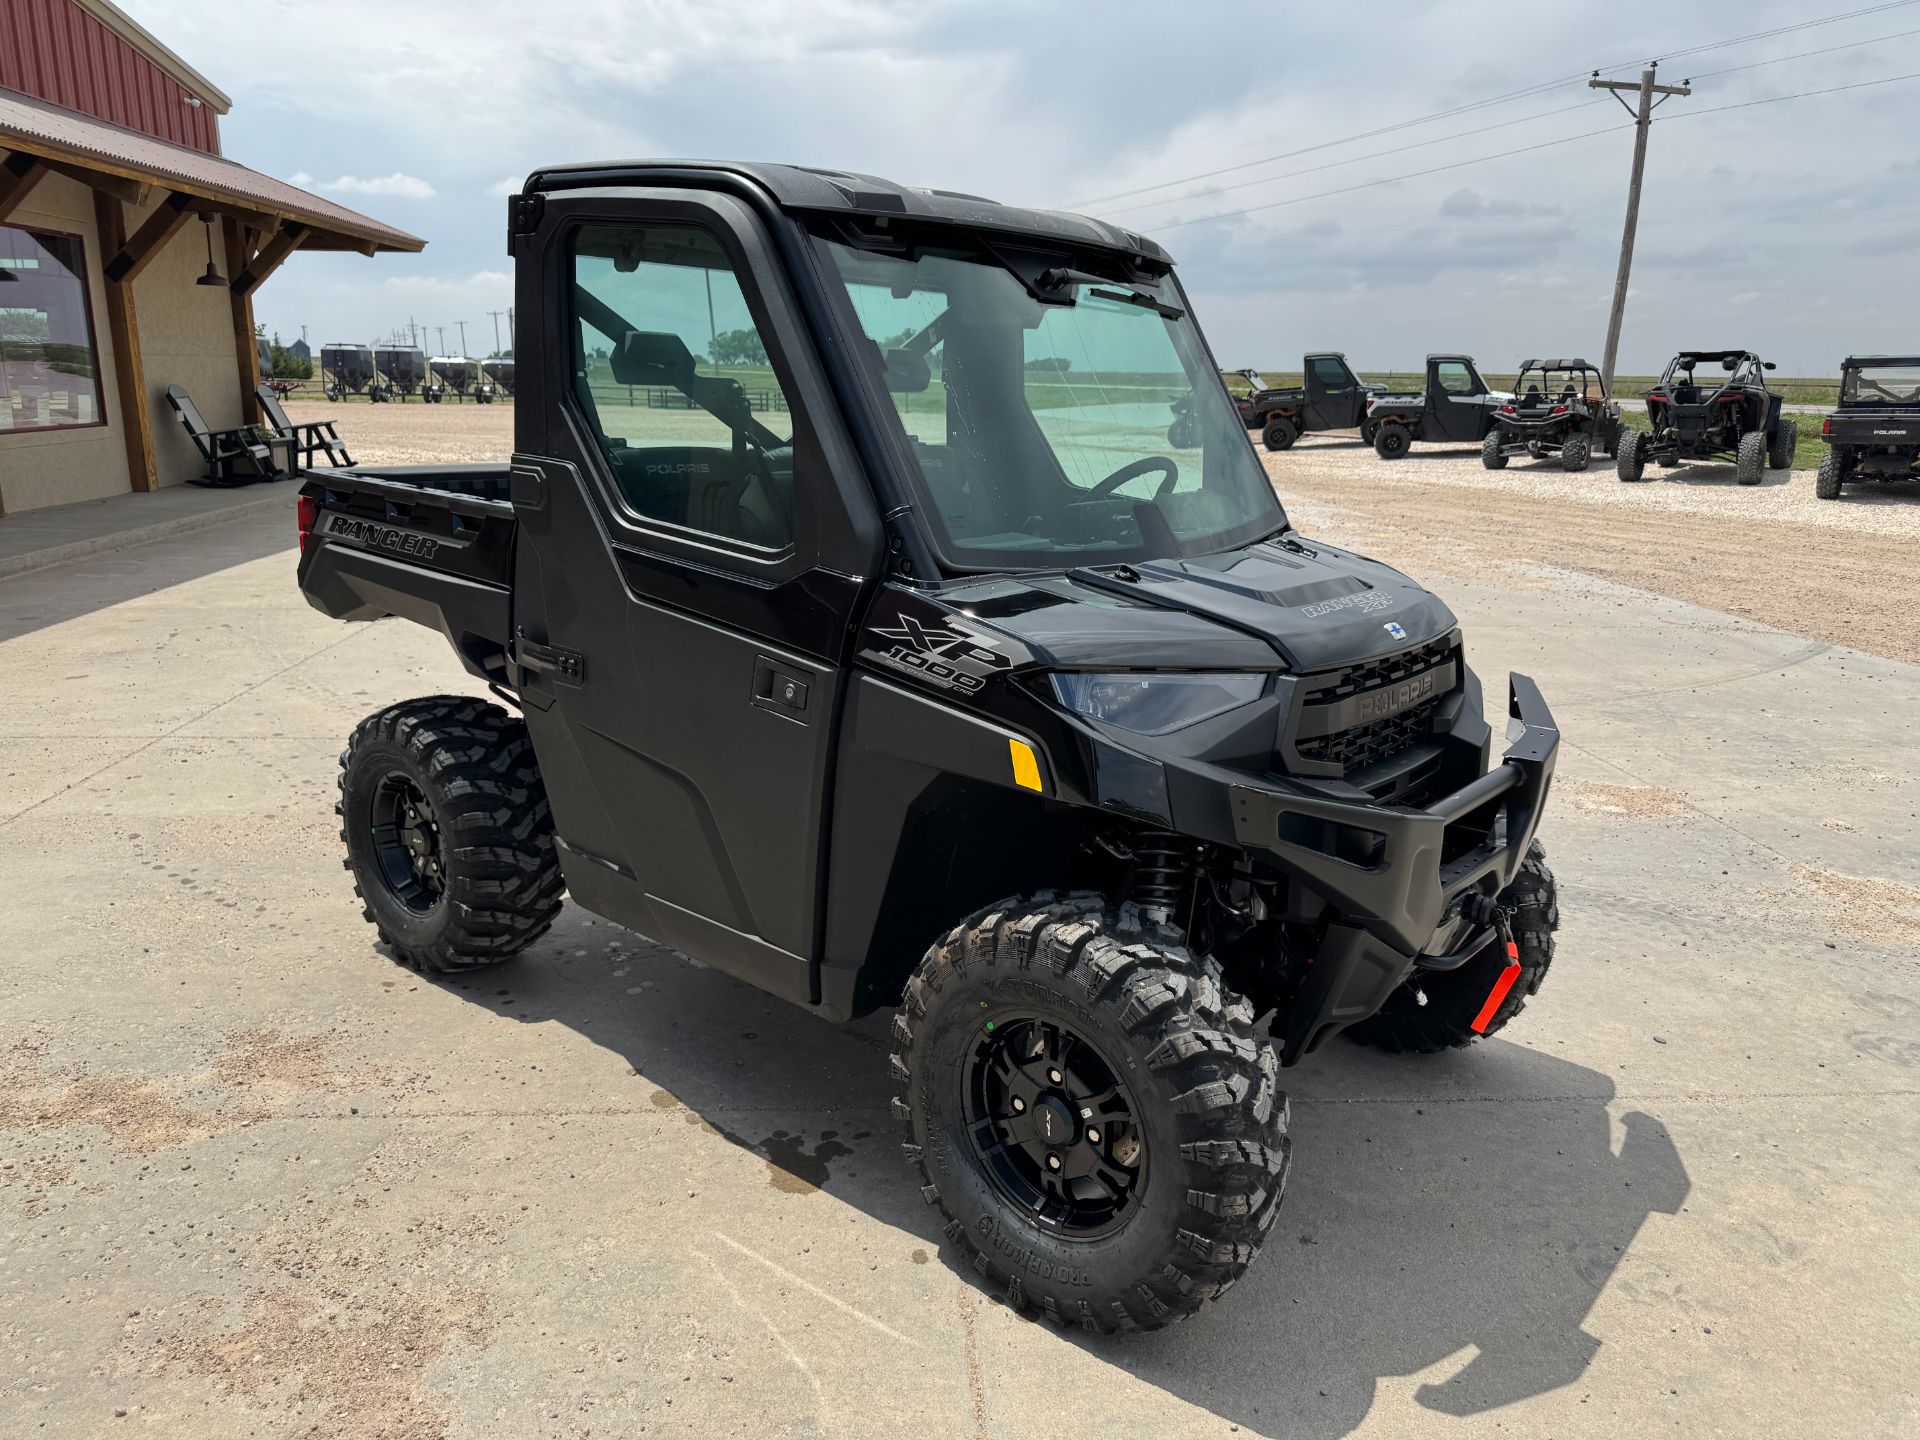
(246, 351)
(270, 257)
(127, 192)
(18, 176)
(133, 257)
(129, 367)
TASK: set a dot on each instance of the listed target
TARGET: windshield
(1051, 435)
(1881, 385)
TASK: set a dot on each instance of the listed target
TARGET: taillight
(1826, 428)
(1656, 394)
(306, 514)
(1558, 410)
(1506, 410)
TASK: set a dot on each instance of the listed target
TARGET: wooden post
(130, 377)
(19, 174)
(245, 351)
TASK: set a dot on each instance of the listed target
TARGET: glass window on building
(49, 367)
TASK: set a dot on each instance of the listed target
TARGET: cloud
(443, 285)
(500, 189)
(402, 186)
(1471, 205)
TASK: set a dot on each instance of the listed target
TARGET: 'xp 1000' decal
(949, 658)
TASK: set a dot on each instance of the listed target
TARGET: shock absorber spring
(1163, 865)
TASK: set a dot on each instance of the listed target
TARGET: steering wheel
(1168, 468)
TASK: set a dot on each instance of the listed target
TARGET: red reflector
(306, 514)
(1499, 991)
(1506, 410)
(1559, 410)
(1826, 427)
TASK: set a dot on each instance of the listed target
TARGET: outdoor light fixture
(213, 275)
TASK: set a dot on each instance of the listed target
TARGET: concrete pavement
(256, 1179)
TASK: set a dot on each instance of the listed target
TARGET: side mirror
(907, 372)
(1768, 364)
(648, 357)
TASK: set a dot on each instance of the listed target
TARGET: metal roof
(1854, 362)
(56, 133)
(142, 39)
(803, 188)
(1558, 365)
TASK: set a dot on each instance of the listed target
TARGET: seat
(305, 440)
(226, 451)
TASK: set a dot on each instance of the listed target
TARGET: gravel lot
(257, 1180)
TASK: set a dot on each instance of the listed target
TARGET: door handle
(780, 691)
(567, 666)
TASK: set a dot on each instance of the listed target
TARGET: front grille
(1385, 671)
(1372, 741)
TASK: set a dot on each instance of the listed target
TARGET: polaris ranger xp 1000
(885, 668)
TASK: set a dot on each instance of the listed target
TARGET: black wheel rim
(407, 845)
(1053, 1127)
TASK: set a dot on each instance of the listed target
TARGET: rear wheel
(1826, 484)
(1279, 434)
(1750, 460)
(1631, 461)
(1390, 441)
(1575, 451)
(1090, 1108)
(1454, 1000)
(1786, 436)
(1491, 455)
(448, 833)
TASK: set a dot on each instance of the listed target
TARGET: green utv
(884, 668)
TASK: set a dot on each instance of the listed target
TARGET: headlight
(1156, 704)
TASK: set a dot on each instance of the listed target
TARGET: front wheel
(1390, 442)
(1090, 1108)
(1575, 451)
(1279, 434)
(448, 834)
(1491, 454)
(1631, 461)
(1750, 460)
(1443, 1009)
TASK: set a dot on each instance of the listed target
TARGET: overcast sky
(1789, 228)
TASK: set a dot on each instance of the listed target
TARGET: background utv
(904, 672)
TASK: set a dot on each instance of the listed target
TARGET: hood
(1314, 606)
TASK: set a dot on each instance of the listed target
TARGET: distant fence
(760, 401)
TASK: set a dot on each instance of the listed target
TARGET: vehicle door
(1334, 397)
(695, 538)
(1458, 405)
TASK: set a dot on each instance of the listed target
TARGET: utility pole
(441, 331)
(1642, 122)
(496, 314)
(463, 337)
(510, 340)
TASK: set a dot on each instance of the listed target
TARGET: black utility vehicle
(1331, 397)
(896, 671)
(1736, 418)
(1875, 432)
(1457, 406)
(1559, 407)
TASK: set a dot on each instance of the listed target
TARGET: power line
(1523, 150)
(1492, 100)
(1349, 160)
(1482, 130)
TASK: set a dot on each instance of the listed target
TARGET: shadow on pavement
(1466, 1208)
(73, 588)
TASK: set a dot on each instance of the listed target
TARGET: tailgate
(1891, 427)
(409, 543)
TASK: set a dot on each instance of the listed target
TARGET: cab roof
(1721, 355)
(1558, 365)
(1856, 362)
(805, 189)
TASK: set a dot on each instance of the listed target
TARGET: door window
(1330, 372)
(675, 377)
(1456, 378)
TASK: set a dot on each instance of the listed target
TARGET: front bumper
(1401, 905)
